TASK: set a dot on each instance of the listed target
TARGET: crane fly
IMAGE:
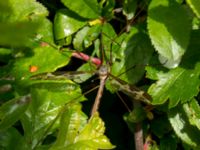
(104, 72)
(111, 73)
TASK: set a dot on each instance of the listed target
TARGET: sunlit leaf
(71, 122)
(48, 99)
(92, 134)
(184, 130)
(73, 135)
(175, 86)
(31, 10)
(17, 34)
(169, 31)
(66, 23)
(192, 110)
(45, 58)
(195, 6)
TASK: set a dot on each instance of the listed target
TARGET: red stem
(85, 57)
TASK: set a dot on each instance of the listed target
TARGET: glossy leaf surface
(169, 31)
(75, 135)
(179, 121)
(85, 8)
(66, 23)
(11, 111)
(48, 100)
(169, 86)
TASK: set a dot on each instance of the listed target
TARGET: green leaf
(85, 8)
(44, 32)
(169, 31)
(5, 54)
(79, 38)
(175, 86)
(92, 134)
(88, 69)
(73, 135)
(67, 23)
(11, 111)
(52, 59)
(168, 143)
(92, 35)
(31, 10)
(129, 8)
(18, 33)
(135, 53)
(12, 139)
(108, 9)
(20, 24)
(71, 122)
(137, 115)
(184, 130)
(48, 99)
(86, 36)
(195, 6)
(130, 53)
(164, 126)
(5, 7)
(192, 110)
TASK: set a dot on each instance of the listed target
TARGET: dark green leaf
(129, 8)
(195, 6)
(5, 54)
(108, 9)
(133, 52)
(160, 126)
(137, 115)
(5, 7)
(12, 139)
(168, 143)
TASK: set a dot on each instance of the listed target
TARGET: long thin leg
(99, 95)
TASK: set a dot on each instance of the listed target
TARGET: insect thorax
(103, 70)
